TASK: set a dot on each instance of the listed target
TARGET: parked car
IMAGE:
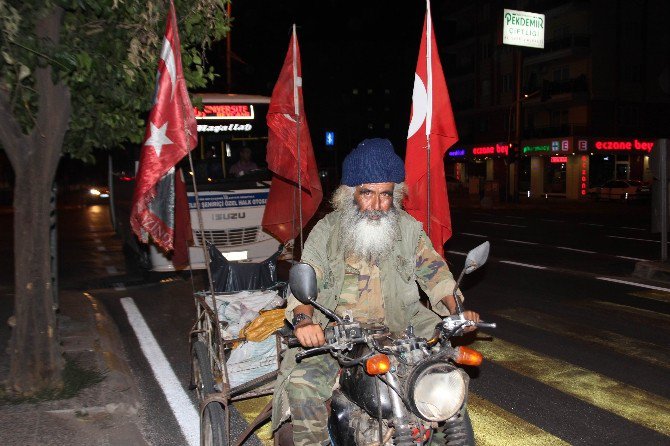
(620, 190)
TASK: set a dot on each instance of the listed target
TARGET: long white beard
(365, 238)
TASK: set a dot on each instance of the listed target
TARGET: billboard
(522, 28)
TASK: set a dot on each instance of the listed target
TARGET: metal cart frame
(209, 377)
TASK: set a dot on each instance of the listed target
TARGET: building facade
(585, 109)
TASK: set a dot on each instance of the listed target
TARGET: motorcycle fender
(339, 420)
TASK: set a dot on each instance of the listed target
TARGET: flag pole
(296, 108)
(429, 108)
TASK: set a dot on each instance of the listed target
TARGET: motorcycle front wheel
(457, 431)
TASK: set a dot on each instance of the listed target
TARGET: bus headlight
(437, 390)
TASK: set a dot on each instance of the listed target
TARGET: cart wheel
(202, 373)
(212, 430)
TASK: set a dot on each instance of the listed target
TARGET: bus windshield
(231, 179)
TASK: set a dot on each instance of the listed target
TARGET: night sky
(369, 44)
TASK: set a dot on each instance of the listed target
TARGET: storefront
(569, 166)
(564, 167)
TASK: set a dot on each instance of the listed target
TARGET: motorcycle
(396, 389)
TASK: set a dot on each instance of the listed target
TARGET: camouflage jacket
(412, 260)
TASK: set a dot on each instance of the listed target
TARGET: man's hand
(309, 334)
(473, 316)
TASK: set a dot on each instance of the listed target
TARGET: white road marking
(187, 416)
(634, 258)
(112, 270)
(496, 223)
(119, 286)
(576, 250)
(638, 239)
(633, 229)
(473, 235)
(641, 285)
(101, 248)
(519, 241)
(591, 224)
(458, 253)
(97, 240)
(527, 265)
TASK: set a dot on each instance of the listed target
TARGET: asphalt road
(580, 355)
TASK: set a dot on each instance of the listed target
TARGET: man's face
(374, 197)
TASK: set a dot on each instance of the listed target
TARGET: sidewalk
(105, 413)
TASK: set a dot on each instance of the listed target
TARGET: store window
(555, 175)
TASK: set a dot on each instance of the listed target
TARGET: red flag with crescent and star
(171, 133)
(432, 130)
(295, 193)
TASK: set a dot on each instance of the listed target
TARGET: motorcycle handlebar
(482, 324)
(311, 351)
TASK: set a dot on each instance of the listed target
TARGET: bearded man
(368, 255)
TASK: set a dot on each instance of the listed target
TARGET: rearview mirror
(476, 257)
(302, 280)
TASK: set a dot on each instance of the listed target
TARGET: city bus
(232, 182)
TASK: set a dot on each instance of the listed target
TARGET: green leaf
(24, 72)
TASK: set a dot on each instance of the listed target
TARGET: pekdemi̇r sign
(522, 28)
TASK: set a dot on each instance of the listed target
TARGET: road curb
(111, 359)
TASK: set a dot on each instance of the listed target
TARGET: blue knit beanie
(373, 161)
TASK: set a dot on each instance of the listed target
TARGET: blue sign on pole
(330, 139)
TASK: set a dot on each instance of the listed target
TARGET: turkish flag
(171, 133)
(295, 193)
(432, 127)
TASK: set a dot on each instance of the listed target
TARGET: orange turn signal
(378, 364)
(468, 356)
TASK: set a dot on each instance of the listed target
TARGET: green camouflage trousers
(309, 386)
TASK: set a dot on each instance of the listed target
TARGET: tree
(76, 76)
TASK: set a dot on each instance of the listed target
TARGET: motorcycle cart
(218, 383)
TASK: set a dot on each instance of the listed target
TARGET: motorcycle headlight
(437, 390)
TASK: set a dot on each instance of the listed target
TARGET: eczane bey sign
(523, 28)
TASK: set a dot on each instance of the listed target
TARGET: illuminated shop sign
(633, 145)
(533, 149)
(559, 159)
(456, 152)
(523, 28)
(498, 149)
(225, 111)
(584, 167)
(582, 145)
(225, 128)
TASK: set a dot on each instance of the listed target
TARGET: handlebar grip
(292, 341)
(486, 324)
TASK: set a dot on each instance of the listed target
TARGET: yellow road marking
(654, 295)
(636, 405)
(495, 426)
(250, 409)
(653, 315)
(636, 349)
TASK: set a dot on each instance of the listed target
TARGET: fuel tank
(362, 388)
